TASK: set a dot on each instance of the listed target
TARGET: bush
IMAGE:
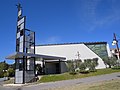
(1, 74)
(11, 72)
(84, 72)
(93, 70)
(116, 67)
(91, 64)
(6, 74)
(79, 66)
(82, 66)
(72, 73)
(110, 61)
(71, 65)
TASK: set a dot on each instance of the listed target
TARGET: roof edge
(86, 43)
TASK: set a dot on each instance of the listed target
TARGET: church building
(51, 58)
(73, 51)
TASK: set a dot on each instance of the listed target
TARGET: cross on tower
(19, 10)
(78, 55)
(19, 6)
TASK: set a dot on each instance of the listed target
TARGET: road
(45, 86)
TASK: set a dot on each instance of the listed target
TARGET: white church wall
(70, 52)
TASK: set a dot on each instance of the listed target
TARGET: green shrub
(110, 61)
(1, 74)
(93, 70)
(11, 72)
(6, 74)
(72, 73)
(116, 67)
(70, 65)
(91, 63)
(85, 72)
(82, 66)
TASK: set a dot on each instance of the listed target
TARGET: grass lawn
(104, 85)
(66, 76)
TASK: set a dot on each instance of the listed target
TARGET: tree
(78, 62)
(11, 72)
(3, 66)
(110, 61)
(71, 66)
(82, 67)
(6, 69)
(1, 73)
(91, 63)
(6, 74)
(12, 66)
(78, 65)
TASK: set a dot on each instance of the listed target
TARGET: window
(99, 49)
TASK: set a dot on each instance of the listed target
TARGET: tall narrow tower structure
(25, 53)
(25, 43)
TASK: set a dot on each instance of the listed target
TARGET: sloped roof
(46, 57)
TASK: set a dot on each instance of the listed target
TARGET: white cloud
(88, 9)
(94, 15)
(104, 21)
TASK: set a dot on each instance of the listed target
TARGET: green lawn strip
(67, 76)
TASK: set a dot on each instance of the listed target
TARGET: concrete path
(1, 82)
(45, 86)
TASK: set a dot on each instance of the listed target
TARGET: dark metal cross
(19, 6)
(78, 55)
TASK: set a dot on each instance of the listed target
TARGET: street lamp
(115, 42)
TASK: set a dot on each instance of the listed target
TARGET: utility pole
(116, 42)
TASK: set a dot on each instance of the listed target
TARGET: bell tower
(25, 43)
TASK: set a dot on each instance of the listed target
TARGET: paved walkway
(73, 82)
(44, 86)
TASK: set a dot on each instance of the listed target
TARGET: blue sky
(60, 21)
